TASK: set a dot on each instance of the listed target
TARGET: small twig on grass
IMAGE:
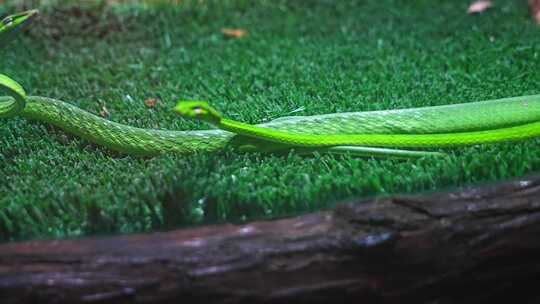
(233, 33)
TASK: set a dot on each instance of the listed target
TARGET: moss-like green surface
(310, 58)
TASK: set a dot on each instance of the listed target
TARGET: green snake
(374, 133)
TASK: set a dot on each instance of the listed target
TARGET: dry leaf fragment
(534, 6)
(104, 111)
(151, 102)
(479, 6)
(234, 33)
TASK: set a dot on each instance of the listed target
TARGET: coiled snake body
(376, 133)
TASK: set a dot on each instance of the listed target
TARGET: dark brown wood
(475, 245)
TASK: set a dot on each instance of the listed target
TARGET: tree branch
(474, 245)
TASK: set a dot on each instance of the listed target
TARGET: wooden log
(479, 244)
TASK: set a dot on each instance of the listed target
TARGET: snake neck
(253, 131)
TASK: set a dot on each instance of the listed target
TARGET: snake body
(363, 133)
(467, 131)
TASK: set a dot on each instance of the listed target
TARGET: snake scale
(374, 133)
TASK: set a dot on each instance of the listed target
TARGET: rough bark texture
(472, 246)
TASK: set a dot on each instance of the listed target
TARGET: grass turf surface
(300, 58)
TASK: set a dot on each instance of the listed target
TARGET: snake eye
(8, 21)
(197, 110)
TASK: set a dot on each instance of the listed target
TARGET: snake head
(198, 110)
(13, 23)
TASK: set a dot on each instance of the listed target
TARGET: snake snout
(7, 21)
(198, 110)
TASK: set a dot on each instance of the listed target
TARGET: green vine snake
(375, 133)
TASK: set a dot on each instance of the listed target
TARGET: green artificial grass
(300, 58)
